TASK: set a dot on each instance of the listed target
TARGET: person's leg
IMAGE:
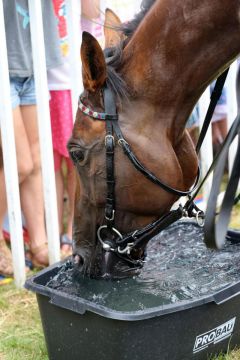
(3, 202)
(3, 197)
(5, 253)
(66, 239)
(31, 189)
(24, 163)
(71, 197)
(59, 188)
(219, 131)
(223, 127)
(24, 160)
(216, 134)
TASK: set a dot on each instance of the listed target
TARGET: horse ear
(112, 32)
(93, 63)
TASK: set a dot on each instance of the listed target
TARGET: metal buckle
(200, 218)
(109, 136)
(127, 249)
(112, 217)
(106, 246)
(122, 141)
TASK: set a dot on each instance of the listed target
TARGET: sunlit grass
(21, 335)
(232, 355)
(235, 219)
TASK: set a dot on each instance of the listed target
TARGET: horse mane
(114, 55)
(129, 27)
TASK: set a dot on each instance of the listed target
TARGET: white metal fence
(10, 164)
(6, 123)
(7, 132)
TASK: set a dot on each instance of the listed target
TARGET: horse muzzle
(107, 265)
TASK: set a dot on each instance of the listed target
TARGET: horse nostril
(78, 260)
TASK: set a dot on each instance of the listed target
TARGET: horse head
(137, 97)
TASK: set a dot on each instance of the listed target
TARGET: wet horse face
(138, 202)
(151, 117)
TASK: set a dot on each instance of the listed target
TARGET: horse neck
(177, 50)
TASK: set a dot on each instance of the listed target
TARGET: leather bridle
(125, 245)
(128, 245)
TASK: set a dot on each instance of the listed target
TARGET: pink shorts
(62, 124)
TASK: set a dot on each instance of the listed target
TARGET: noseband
(125, 245)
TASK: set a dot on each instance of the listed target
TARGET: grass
(235, 219)
(233, 355)
(21, 335)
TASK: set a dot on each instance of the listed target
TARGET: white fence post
(206, 148)
(10, 163)
(44, 126)
(74, 38)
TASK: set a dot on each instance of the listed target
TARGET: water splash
(178, 267)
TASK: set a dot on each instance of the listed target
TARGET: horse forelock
(114, 79)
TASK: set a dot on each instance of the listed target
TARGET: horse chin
(107, 266)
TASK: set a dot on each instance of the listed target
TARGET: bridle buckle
(122, 141)
(109, 137)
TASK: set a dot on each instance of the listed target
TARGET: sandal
(65, 240)
(41, 252)
(6, 267)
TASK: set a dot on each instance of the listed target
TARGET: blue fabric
(22, 91)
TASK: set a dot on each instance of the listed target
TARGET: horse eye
(77, 156)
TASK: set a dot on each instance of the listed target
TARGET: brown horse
(159, 65)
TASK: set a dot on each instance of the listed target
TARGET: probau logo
(214, 336)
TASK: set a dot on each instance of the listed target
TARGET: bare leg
(23, 159)
(216, 134)
(71, 185)
(223, 127)
(5, 254)
(25, 167)
(3, 202)
(60, 191)
(219, 131)
(31, 187)
(67, 248)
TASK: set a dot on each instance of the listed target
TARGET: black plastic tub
(77, 328)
